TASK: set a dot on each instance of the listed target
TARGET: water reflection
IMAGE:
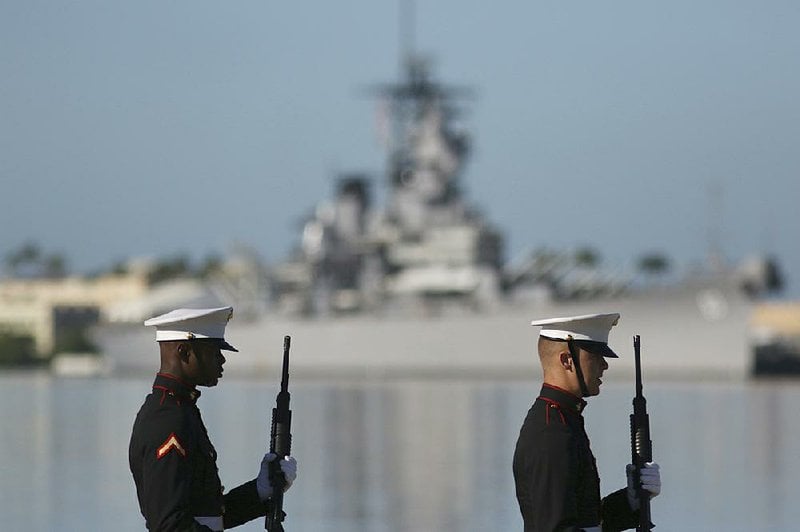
(407, 456)
(401, 456)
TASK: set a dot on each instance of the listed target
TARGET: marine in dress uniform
(172, 459)
(557, 483)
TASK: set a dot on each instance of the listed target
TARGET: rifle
(280, 443)
(641, 445)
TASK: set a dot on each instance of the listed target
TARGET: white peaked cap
(193, 324)
(592, 328)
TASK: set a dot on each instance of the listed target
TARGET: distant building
(48, 309)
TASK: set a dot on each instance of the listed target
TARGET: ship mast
(426, 243)
(407, 21)
(426, 150)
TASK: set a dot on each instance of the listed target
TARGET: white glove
(288, 467)
(651, 482)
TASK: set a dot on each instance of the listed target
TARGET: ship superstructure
(426, 244)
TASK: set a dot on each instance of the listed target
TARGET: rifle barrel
(637, 353)
(280, 444)
(287, 340)
(641, 445)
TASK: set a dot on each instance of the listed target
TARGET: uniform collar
(174, 386)
(565, 399)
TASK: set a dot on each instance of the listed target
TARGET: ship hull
(687, 333)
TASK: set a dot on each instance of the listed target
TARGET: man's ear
(183, 350)
(566, 360)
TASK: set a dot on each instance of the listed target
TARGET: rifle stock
(641, 445)
(280, 443)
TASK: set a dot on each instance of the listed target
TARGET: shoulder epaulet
(552, 405)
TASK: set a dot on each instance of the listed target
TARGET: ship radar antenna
(407, 21)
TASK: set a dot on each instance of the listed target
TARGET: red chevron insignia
(171, 443)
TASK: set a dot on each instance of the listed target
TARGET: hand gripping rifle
(641, 446)
(280, 443)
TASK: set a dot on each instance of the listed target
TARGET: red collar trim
(176, 386)
(560, 396)
(562, 390)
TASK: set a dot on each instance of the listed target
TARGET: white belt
(214, 522)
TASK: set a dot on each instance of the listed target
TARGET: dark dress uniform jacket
(556, 478)
(174, 465)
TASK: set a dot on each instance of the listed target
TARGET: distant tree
(120, 268)
(54, 266)
(774, 276)
(29, 261)
(17, 259)
(170, 268)
(587, 257)
(762, 276)
(211, 265)
(654, 264)
(16, 350)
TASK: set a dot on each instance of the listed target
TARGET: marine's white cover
(191, 323)
(592, 327)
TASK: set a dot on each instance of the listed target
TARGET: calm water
(402, 456)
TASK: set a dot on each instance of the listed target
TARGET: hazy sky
(151, 128)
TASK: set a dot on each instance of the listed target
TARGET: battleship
(419, 286)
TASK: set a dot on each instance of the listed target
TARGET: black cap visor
(220, 342)
(598, 348)
(225, 346)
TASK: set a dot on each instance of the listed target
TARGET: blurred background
(401, 186)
